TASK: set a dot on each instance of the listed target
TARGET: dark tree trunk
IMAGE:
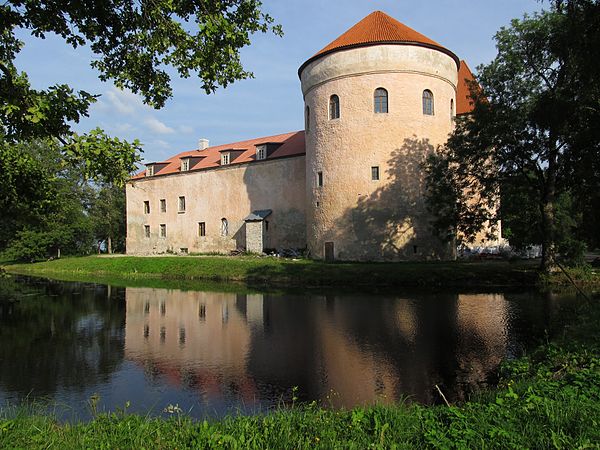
(548, 213)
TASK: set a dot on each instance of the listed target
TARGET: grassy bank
(256, 271)
(550, 399)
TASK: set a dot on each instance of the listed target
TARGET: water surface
(213, 353)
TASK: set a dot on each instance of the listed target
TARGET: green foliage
(523, 145)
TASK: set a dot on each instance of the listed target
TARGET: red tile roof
(378, 28)
(292, 144)
(464, 104)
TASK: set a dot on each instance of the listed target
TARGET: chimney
(202, 144)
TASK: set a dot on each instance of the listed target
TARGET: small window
(201, 229)
(163, 230)
(334, 107)
(181, 204)
(225, 159)
(307, 118)
(319, 179)
(451, 108)
(150, 171)
(224, 227)
(147, 231)
(381, 101)
(427, 102)
(146, 207)
(415, 249)
(163, 205)
(185, 165)
(375, 173)
(261, 152)
(266, 225)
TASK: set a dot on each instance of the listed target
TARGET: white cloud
(185, 129)
(124, 127)
(157, 126)
(124, 101)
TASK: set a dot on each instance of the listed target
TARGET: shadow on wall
(393, 222)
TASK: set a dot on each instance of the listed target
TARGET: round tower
(378, 100)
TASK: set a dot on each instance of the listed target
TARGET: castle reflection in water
(342, 350)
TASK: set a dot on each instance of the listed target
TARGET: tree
(134, 44)
(108, 215)
(525, 132)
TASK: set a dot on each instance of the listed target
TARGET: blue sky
(271, 103)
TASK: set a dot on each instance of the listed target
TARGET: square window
(319, 179)
(163, 230)
(147, 231)
(181, 204)
(375, 173)
(201, 229)
(163, 205)
(146, 207)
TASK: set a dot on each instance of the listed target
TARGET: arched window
(334, 107)
(427, 102)
(224, 227)
(452, 108)
(307, 118)
(381, 100)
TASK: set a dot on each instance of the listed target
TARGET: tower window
(427, 102)
(307, 118)
(334, 107)
(381, 101)
(146, 207)
(319, 179)
(147, 231)
(181, 204)
(163, 205)
(224, 227)
(375, 173)
(201, 229)
(451, 108)
(163, 230)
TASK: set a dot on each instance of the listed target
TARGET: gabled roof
(464, 104)
(258, 215)
(292, 144)
(378, 28)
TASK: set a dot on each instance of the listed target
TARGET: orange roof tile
(378, 28)
(464, 104)
(292, 144)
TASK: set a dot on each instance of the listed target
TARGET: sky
(271, 103)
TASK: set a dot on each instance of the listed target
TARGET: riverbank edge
(550, 399)
(270, 272)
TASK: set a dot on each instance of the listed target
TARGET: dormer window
(225, 158)
(185, 164)
(261, 152)
(150, 170)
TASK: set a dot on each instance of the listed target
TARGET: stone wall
(230, 192)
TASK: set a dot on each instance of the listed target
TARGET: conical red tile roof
(378, 28)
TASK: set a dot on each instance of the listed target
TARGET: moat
(213, 353)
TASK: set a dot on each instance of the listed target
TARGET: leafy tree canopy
(532, 130)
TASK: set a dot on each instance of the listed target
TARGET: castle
(378, 100)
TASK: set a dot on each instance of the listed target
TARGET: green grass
(277, 272)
